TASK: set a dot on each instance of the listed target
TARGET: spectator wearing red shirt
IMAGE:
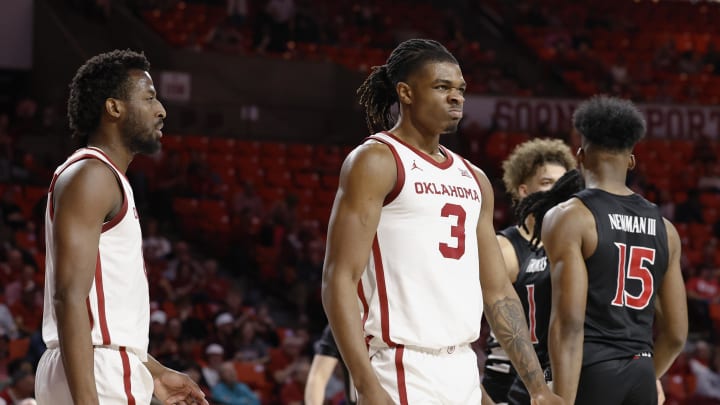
(293, 390)
(702, 291)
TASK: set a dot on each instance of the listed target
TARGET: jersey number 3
(456, 231)
(634, 268)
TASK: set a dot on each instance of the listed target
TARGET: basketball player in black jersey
(327, 357)
(533, 166)
(615, 266)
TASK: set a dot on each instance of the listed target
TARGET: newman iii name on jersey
(445, 189)
(632, 224)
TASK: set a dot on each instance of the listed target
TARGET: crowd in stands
(357, 35)
(644, 50)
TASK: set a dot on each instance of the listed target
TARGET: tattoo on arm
(507, 320)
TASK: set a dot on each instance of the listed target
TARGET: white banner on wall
(175, 86)
(528, 114)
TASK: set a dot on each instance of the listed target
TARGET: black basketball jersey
(624, 273)
(326, 346)
(533, 288)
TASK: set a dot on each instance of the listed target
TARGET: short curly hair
(528, 156)
(103, 76)
(611, 123)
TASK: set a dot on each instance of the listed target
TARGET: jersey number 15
(634, 268)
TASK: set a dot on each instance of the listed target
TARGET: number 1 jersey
(624, 274)
(421, 285)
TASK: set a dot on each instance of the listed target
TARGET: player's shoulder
(370, 166)
(90, 170)
(570, 212)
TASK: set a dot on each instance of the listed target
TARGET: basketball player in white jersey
(96, 314)
(411, 246)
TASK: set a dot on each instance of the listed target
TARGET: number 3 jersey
(421, 285)
(624, 273)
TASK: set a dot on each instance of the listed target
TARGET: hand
(547, 398)
(375, 396)
(173, 388)
(660, 392)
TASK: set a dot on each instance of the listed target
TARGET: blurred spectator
(182, 258)
(666, 204)
(230, 391)
(283, 360)
(7, 323)
(702, 291)
(225, 332)
(158, 322)
(246, 202)
(280, 13)
(706, 369)
(28, 310)
(211, 285)
(11, 212)
(22, 383)
(293, 390)
(156, 247)
(24, 279)
(250, 347)
(215, 356)
(225, 37)
(12, 268)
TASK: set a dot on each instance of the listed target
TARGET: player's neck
(427, 143)
(611, 181)
(115, 151)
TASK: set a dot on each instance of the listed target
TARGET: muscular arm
(84, 196)
(321, 369)
(562, 236)
(503, 308)
(367, 176)
(670, 308)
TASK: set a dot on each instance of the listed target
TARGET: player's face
(144, 115)
(543, 179)
(436, 97)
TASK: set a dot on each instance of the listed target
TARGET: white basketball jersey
(421, 286)
(119, 303)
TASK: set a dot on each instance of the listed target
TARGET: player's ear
(522, 191)
(631, 162)
(404, 93)
(114, 107)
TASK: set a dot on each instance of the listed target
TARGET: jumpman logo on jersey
(464, 172)
(415, 166)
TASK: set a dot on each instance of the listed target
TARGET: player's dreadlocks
(537, 204)
(101, 77)
(377, 93)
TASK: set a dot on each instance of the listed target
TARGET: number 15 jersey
(624, 273)
(421, 285)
